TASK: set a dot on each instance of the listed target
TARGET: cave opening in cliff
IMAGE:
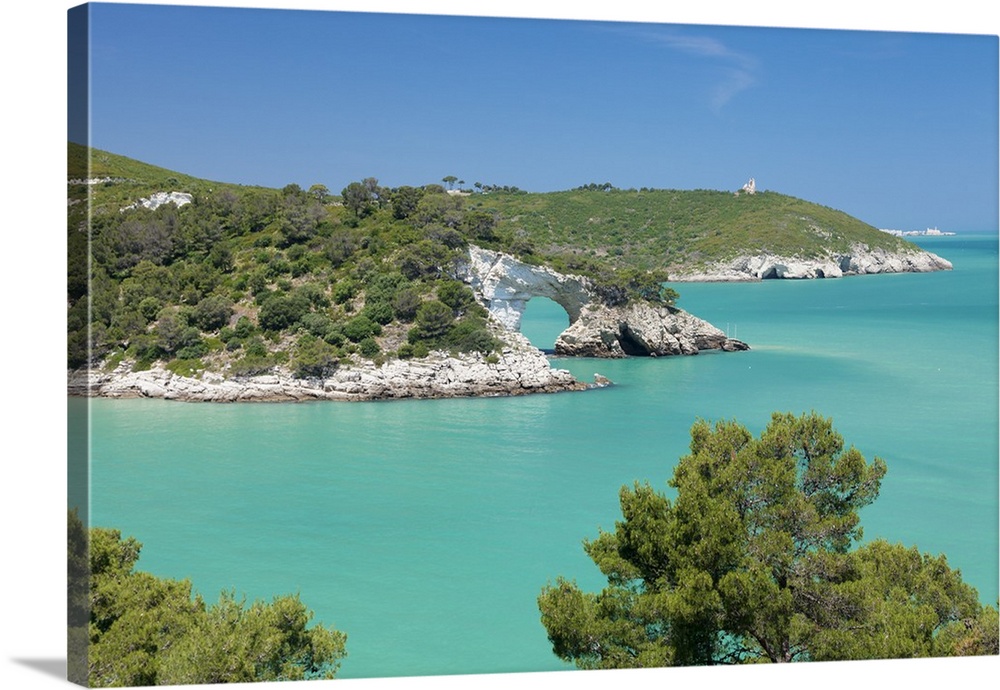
(542, 322)
(630, 345)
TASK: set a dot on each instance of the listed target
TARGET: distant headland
(929, 232)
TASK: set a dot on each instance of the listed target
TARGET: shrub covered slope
(243, 280)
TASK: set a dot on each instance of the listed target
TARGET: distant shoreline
(861, 260)
(929, 232)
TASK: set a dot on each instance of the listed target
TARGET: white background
(32, 407)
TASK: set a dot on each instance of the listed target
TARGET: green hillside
(244, 280)
(101, 164)
(675, 230)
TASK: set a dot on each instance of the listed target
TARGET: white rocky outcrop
(157, 199)
(519, 369)
(90, 181)
(504, 285)
(861, 260)
(641, 329)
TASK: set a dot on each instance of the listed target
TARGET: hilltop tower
(749, 188)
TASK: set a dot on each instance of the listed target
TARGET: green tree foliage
(175, 337)
(340, 246)
(150, 280)
(405, 304)
(404, 201)
(480, 225)
(907, 604)
(369, 347)
(361, 327)
(314, 357)
(471, 334)
(753, 561)
(424, 259)
(595, 187)
(358, 198)
(299, 218)
(618, 287)
(77, 598)
(449, 237)
(282, 311)
(253, 363)
(433, 321)
(221, 256)
(436, 326)
(379, 195)
(141, 236)
(77, 572)
(320, 193)
(456, 295)
(380, 294)
(439, 208)
(244, 328)
(316, 323)
(145, 630)
(212, 313)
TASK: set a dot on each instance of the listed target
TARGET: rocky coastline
(503, 285)
(518, 370)
(861, 260)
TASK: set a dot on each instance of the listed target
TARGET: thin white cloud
(739, 70)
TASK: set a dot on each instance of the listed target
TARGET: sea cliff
(861, 260)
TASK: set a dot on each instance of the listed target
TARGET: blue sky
(899, 129)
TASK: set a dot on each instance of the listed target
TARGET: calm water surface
(425, 529)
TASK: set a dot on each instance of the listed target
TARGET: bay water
(426, 529)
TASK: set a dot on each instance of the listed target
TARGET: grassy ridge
(130, 179)
(93, 163)
(656, 229)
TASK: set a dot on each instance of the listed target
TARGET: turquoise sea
(426, 529)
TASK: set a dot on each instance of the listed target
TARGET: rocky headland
(503, 285)
(635, 329)
(861, 260)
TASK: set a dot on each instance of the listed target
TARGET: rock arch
(504, 285)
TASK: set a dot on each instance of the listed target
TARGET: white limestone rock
(641, 330)
(521, 369)
(861, 260)
(157, 199)
(505, 285)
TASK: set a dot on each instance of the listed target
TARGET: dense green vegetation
(246, 279)
(754, 561)
(133, 628)
(676, 230)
